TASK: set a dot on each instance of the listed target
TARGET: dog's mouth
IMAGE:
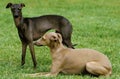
(37, 44)
(16, 16)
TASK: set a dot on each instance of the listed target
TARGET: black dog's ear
(22, 5)
(9, 5)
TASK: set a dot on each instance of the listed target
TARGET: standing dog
(74, 61)
(31, 29)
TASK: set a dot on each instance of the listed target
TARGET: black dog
(31, 29)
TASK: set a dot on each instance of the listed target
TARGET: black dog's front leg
(24, 46)
(31, 46)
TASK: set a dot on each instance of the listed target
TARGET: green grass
(96, 25)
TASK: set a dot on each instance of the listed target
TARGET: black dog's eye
(12, 8)
(19, 8)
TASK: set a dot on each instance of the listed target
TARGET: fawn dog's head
(49, 39)
(16, 9)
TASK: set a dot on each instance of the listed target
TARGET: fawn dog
(31, 29)
(74, 61)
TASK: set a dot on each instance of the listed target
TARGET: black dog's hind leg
(66, 32)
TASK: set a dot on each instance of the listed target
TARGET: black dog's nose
(16, 16)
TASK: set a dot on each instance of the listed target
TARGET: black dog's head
(16, 9)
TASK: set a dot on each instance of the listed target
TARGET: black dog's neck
(18, 20)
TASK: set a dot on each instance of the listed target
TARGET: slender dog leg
(66, 33)
(55, 69)
(33, 54)
(66, 39)
(24, 46)
(68, 43)
(37, 74)
(97, 69)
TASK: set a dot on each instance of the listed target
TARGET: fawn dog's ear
(59, 37)
(9, 5)
(22, 5)
(53, 38)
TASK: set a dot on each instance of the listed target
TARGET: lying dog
(74, 61)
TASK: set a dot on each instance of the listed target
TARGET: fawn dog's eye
(43, 38)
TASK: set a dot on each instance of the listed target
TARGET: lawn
(96, 25)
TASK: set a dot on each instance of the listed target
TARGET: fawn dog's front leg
(55, 69)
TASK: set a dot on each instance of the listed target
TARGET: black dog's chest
(22, 35)
(28, 33)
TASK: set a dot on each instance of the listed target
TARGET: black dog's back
(40, 25)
